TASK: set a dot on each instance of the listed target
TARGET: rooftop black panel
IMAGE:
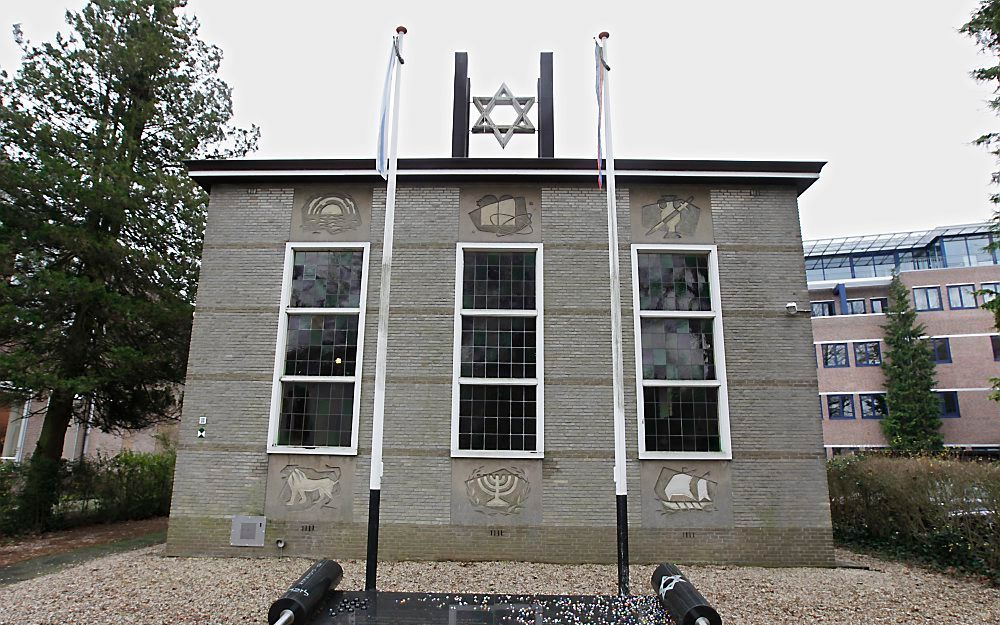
(800, 174)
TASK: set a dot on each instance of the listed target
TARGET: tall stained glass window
(318, 369)
(679, 359)
(497, 405)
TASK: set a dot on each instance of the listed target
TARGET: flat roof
(889, 241)
(800, 174)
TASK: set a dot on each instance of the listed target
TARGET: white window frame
(22, 431)
(280, 344)
(718, 348)
(538, 381)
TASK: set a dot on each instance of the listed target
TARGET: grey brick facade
(778, 494)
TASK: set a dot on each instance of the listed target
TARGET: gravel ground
(144, 587)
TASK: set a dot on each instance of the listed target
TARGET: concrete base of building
(747, 546)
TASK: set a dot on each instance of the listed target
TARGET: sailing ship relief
(684, 490)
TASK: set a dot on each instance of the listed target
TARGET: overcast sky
(880, 90)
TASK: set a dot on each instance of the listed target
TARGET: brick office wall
(780, 510)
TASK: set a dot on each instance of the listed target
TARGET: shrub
(936, 508)
(128, 486)
(11, 482)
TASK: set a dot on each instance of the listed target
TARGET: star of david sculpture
(503, 132)
(488, 106)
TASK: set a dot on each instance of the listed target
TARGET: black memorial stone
(402, 608)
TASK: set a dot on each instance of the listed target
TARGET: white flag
(382, 157)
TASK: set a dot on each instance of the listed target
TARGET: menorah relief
(503, 491)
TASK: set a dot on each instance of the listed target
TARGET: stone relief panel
(490, 492)
(671, 215)
(686, 493)
(500, 213)
(309, 488)
(331, 213)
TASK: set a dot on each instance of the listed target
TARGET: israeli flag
(382, 157)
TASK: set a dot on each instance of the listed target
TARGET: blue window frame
(822, 309)
(941, 351)
(989, 291)
(867, 354)
(840, 406)
(873, 405)
(927, 298)
(949, 404)
(814, 269)
(968, 251)
(995, 343)
(835, 356)
(837, 268)
(856, 307)
(879, 305)
(962, 296)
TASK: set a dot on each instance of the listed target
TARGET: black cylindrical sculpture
(681, 599)
(301, 599)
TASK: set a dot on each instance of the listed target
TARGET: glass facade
(955, 251)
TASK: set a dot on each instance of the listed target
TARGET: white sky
(879, 89)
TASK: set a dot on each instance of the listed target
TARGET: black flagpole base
(371, 562)
(622, 505)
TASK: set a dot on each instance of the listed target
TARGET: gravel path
(145, 587)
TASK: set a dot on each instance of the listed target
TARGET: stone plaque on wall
(501, 213)
(309, 488)
(492, 492)
(686, 493)
(325, 212)
(671, 214)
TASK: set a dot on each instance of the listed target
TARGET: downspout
(19, 452)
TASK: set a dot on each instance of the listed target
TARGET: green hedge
(938, 509)
(106, 489)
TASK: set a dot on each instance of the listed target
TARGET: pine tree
(100, 227)
(984, 27)
(914, 420)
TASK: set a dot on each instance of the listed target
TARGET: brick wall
(780, 509)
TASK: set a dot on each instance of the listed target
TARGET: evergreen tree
(914, 420)
(984, 27)
(100, 227)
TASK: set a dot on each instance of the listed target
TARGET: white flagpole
(621, 484)
(378, 420)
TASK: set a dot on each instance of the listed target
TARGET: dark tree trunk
(42, 487)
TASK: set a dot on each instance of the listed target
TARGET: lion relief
(304, 491)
